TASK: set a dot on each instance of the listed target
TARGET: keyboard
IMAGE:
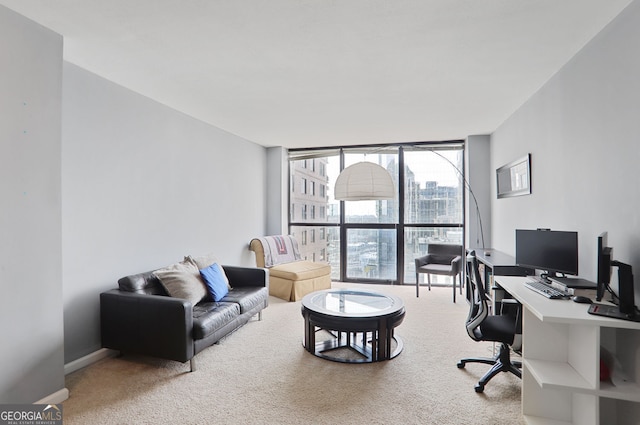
(544, 289)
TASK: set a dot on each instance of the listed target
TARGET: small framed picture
(514, 178)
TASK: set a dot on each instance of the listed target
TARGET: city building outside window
(381, 238)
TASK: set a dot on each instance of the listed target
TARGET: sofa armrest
(247, 276)
(152, 325)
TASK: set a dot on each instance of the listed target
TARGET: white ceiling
(309, 73)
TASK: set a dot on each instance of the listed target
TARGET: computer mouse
(582, 300)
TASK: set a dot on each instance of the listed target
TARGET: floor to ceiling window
(314, 214)
(377, 241)
(433, 202)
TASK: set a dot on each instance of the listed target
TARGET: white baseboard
(88, 360)
(55, 398)
(63, 394)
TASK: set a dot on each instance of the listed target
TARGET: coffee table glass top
(352, 303)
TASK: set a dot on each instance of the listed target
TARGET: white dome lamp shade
(364, 181)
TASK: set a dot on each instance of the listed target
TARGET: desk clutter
(549, 259)
(612, 311)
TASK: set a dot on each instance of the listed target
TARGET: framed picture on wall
(514, 178)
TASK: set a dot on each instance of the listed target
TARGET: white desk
(561, 361)
(497, 263)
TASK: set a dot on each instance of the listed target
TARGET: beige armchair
(290, 277)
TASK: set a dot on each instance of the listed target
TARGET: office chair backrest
(479, 306)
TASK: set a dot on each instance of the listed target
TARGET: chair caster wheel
(479, 388)
(460, 365)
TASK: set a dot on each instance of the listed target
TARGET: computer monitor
(554, 252)
(604, 257)
(626, 293)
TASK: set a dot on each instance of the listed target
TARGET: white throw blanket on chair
(279, 249)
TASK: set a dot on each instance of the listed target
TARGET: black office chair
(505, 328)
(441, 259)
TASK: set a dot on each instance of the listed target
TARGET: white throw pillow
(182, 280)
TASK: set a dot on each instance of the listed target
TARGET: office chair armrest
(515, 309)
(511, 304)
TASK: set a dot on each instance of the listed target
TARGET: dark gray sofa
(140, 317)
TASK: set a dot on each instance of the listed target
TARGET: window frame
(400, 226)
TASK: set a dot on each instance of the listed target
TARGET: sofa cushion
(182, 280)
(214, 278)
(300, 270)
(204, 261)
(211, 316)
(247, 297)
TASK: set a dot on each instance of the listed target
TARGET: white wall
(142, 186)
(582, 131)
(277, 191)
(478, 173)
(31, 330)
(98, 182)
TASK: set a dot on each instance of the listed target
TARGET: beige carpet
(262, 375)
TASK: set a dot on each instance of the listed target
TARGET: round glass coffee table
(358, 320)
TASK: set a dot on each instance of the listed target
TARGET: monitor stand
(612, 311)
(626, 310)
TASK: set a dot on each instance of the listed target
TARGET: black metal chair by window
(441, 259)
